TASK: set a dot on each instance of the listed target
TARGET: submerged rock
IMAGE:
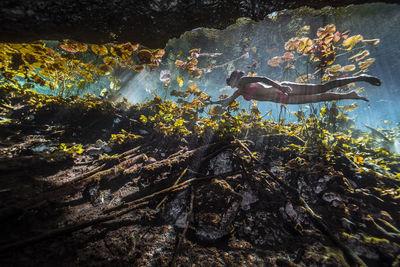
(215, 208)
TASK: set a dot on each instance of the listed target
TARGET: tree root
(123, 209)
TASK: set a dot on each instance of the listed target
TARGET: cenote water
(121, 150)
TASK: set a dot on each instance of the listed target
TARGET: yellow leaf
(365, 64)
(305, 45)
(349, 107)
(180, 81)
(334, 69)
(99, 49)
(352, 41)
(143, 118)
(348, 68)
(110, 61)
(192, 89)
(305, 78)
(104, 69)
(360, 55)
(179, 63)
(358, 160)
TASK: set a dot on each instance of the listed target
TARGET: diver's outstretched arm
(227, 101)
(255, 79)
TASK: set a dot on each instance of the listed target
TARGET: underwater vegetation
(70, 67)
(232, 178)
(92, 179)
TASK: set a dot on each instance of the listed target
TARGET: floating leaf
(327, 30)
(349, 107)
(99, 49)
(110, 61)
(365, 64)
(352, 41)
(138, 68)
(29, 58)
(195, 73)
(123, 51)
(195, 52)
(179, 63)
(348, 68)
(275, 61)
(180, 81)
(334, 69)
(69, 47)
(371, 42)
(360, 55)
(104, 69)
(86, 75)
(159, 53)
(145, 56)
(192, 89)
(305, 78)
(82, 47)
(127, 48)
(305, 45)
(336, 37)
(287, 56)
(292, 44)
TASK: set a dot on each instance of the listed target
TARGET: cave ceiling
(151, 23)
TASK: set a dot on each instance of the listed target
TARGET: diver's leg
(309, 89)
(304, 99)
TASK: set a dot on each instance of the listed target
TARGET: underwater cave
(199, 133)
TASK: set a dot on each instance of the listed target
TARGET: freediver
(261, 88)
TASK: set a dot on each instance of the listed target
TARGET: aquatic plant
(70, 67)
(323, 52)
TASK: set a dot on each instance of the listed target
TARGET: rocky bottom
(196, 200)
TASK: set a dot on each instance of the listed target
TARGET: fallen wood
(69, 229)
